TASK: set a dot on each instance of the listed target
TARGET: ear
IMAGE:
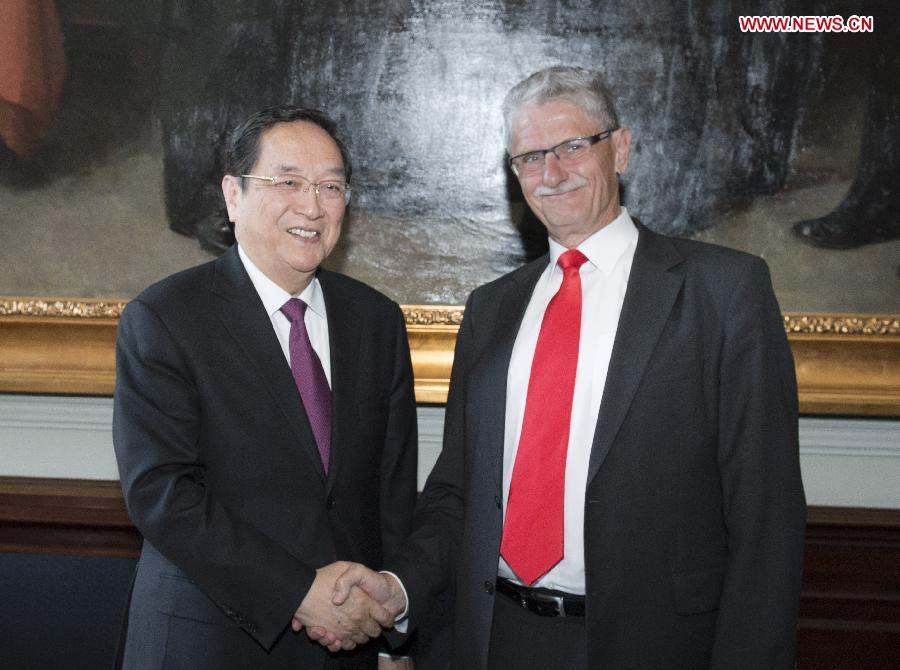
(622, 146)
(231, 189)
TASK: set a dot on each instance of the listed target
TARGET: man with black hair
(264, 424)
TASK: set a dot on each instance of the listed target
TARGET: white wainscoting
(846, 462)
(56, 436)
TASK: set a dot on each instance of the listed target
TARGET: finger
(315, 633)
(371, 628)
(296, 626)
(343, 584)
(381, 616)
(367, 614)
(320, 635)
(336, 646)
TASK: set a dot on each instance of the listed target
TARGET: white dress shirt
(273, 298)
(604, 278)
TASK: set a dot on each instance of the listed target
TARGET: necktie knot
(294, 309)
(571, 259)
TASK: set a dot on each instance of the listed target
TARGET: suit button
(329, 502)
(498, 502)
(489, 588)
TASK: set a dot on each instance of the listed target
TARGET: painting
(783, 144)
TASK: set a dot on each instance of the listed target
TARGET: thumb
(343, 584)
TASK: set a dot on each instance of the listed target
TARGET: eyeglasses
(329, 191)
(568, 153)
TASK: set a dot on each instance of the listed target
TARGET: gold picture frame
(847, 364)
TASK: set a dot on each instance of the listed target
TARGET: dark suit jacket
(221, 474)
(694, 509)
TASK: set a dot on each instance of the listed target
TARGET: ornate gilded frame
(846, 363)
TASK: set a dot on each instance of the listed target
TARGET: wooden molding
(57, 355)
(65, 516)
(850, 603)
(846, 364)
(97, 505)
(847, 374)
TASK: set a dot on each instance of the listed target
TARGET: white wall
(846, 462)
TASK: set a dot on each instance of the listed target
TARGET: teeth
(301, 232)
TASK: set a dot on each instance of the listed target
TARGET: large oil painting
(781, 144)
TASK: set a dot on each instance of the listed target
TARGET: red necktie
(533, 532)
(309, 375)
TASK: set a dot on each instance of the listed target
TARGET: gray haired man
(619, 485)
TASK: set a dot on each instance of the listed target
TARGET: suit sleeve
(425, 563)
(399, 465)
(763, 501)
(156, 431)
(400, 454)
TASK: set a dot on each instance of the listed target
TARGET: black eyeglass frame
(592, 140)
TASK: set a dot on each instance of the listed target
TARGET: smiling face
(288, 234)
(576, 201)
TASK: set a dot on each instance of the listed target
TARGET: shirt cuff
(400, 619)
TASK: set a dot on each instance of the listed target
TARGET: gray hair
(579, 85)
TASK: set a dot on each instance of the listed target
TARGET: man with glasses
(620, 484)
(264, 424)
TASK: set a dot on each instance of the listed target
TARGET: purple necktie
(310, 378)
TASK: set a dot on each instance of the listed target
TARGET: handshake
(348, 604)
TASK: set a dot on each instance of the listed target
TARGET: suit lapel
(496, 360)
(652, 289)
(343, 337)
(244, 317)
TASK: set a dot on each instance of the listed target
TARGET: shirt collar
(273, 296)
(604, 248)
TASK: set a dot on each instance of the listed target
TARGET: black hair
(242, 149)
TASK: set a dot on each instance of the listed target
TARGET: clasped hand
(347, 605)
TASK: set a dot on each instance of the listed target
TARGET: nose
(554, 173)
(306, 202)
